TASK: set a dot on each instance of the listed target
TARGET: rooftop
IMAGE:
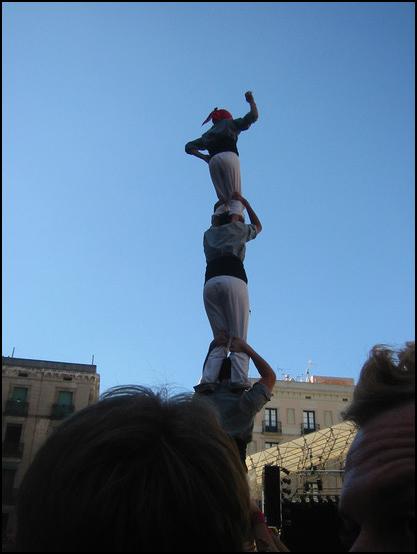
(44, 364)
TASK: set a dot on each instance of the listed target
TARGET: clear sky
(104, 213)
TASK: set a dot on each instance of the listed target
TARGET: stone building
(36, 396)
(300, 407)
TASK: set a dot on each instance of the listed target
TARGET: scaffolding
(310, 453)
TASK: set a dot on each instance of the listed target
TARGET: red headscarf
(218, 115)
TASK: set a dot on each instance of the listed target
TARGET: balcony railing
(61, 411)
(16, 408)
(311, 428)
(12, 449)
(271, 428)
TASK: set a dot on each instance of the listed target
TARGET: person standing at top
(223, 156)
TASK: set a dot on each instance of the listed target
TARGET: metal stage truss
(314, 451)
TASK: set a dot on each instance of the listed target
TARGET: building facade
(36, 396)
(300, 407)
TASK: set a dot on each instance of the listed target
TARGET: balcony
(271, 428)
(16, 408)
(61, 411)
(311, 428)
(12, 449)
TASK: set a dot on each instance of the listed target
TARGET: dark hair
(387, 380)
(221, 219)
(136, 472)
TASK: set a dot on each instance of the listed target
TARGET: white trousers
(225, 174)
(226, 300)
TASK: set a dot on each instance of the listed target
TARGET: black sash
(226, 265)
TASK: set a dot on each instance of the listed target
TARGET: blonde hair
(387, 380)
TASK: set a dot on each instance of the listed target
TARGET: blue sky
(104, 213)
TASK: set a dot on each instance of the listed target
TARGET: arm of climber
(254, 219)
(243, 123)
(193, 148)
(266, 372)
(253, 107)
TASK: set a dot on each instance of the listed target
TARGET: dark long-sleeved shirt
(223, 135)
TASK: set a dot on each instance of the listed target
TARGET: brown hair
(221, 219)
(387, 380)
(136, 472)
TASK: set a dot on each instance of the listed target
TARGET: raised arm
(254, 219)
(266, 372)
(253, 107)
(243, 123)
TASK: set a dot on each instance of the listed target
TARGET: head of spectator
(136, 472)
(377, 499)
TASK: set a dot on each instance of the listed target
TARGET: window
(270, 420)
(65, 398)
(291, 416)
(17, 404)
(13, 434)
(271, 444)
(7, 481)
(309, 420)
(64, 406)
(12, 447)
(19, 394)
(328, 418)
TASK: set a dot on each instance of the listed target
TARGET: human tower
(226, 299)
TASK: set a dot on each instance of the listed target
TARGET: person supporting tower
(223, 156)
(226, 298)
(236, 404)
